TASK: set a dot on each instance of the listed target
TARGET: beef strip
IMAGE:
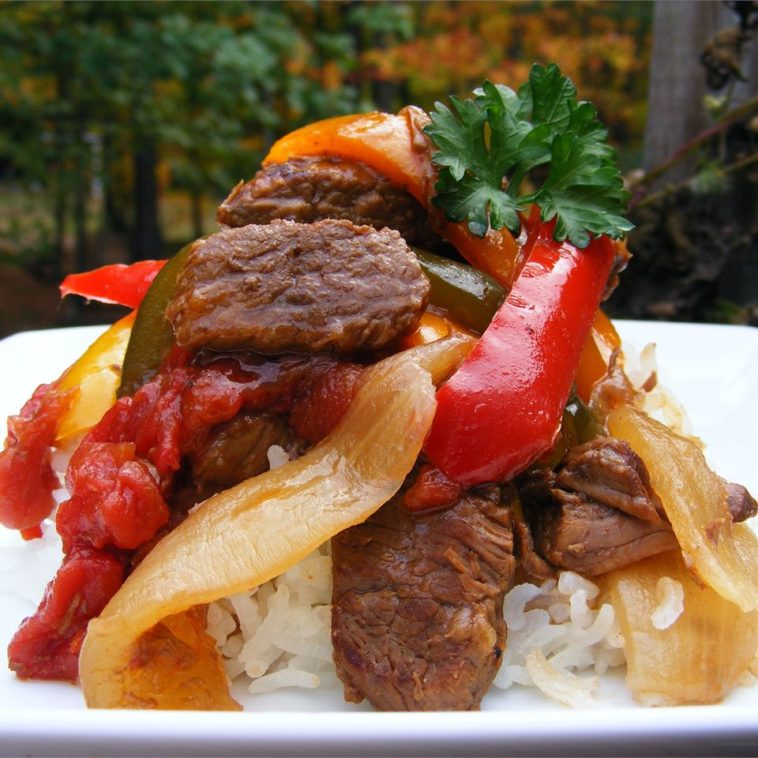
(532, 564)
(311, 189)
(741, 503)
(238, 449)
(578, 534)
(599, 511)
(417, 604)
(609, 472)
(596, 513)
(288, 287)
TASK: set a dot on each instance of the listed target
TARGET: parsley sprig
(489, 144)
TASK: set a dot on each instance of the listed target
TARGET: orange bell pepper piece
(601, 342)
(396, 147)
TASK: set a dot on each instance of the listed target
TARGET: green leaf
(488, 145)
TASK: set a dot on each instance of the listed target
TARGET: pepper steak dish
(390, 350)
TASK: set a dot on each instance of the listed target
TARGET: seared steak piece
(609, 472)
(741, 503)
(417, 604)
(598, 512)
(311, 189)
(238, 449)
(584, 536)
(531, 563)
(289, 287)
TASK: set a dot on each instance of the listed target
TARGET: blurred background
(123, 125)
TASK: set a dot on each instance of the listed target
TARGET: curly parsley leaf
(487, 146)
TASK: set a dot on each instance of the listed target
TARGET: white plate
(713, 370)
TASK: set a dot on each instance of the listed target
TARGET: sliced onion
(255, 531)
(695, 502)
(696, 659)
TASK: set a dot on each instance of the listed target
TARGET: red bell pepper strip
(118, 283)
(502, 409)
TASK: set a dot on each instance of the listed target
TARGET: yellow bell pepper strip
(94, 378)
(601, 343)
(502, 409)
(395, 146)
(253, 532)
(117, 283)
(697, 657)
(694, 500)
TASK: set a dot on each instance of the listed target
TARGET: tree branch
(640, 189)
(732, 168)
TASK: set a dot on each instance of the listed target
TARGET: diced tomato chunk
(32, 533)
(47, 644)
(322, 404)
(26, 476)
(117, 478)
(431, 491)
(115, 499)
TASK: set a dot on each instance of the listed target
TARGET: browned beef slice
(533, 565)
(741, 503)
(609, 472)
(311, 189)
(289, 287)
(238, 449)
(581, 535)
(417, 615)
(598, 512)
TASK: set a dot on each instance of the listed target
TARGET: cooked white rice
(555, 631)
(670, 596)
(560, 638)
(279, 634)
(657, 401)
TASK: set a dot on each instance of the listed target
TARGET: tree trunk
(676, 112)
(677, 81)
(80, 220)
(146, 236)
(59, 174)
(59, 225)
(196, 210)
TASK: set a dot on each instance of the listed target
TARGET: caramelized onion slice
(695, 502)
(255, 531)
(700, 656)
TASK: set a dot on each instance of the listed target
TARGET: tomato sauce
(27, 478)
(121, 477)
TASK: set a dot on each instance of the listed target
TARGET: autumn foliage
(109, 110)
